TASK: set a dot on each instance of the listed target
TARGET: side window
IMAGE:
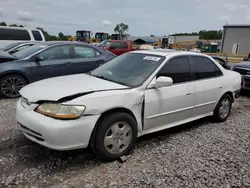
(177, 68)
(119, 45)
(84, 52)
(56, 53)
(204, 68)
(20, 48)
(14, 34)
(37, 35)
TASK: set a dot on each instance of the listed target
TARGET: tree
(13, 25)
(152, 35)
(20, 25)
(3, 24)
(121, 29)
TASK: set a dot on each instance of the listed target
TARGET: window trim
(34, 35)
(73, 52)
(190, 73)
(10, 30)
(46, 49)
(193, 73)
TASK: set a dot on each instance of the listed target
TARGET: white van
(9, 35)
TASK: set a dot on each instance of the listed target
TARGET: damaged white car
(132, 95)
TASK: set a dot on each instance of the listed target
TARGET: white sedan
(132, 95)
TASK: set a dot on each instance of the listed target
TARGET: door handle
(221, 87)
(189, 94)
(68, 64)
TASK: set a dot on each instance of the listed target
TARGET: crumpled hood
(53, 89)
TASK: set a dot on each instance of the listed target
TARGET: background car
(10, 35)
(223, 62)
(244, 69)
(45, 60)
(15, 47)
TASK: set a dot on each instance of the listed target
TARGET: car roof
(52, 43)
(167, 52)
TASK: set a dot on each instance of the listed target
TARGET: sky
(144, 17)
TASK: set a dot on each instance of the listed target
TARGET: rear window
(37, 35)
(14, 34)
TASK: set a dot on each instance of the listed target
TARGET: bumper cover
(53, 133)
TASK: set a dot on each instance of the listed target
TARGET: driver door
(54, 62)
(168, 105)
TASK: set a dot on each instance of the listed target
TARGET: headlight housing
(60, 111)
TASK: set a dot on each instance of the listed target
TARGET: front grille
(29, 130)
(32, 133)
(37, 138)
(242, 71)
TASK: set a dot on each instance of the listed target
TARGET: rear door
(53, 62)
(208, 80)
(85, 59)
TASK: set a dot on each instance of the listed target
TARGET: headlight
(60, 111)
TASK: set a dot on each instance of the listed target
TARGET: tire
(219, 114)
(10, 85)
(108, 138)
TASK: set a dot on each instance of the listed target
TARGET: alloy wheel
(10, 86)
(224, 108)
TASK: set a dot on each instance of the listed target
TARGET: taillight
(243, 83)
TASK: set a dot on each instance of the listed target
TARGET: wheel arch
(106, 113)
(230, 93)
(14, 73)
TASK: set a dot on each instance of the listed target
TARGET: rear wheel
(10, 86)
(116, 135)
(223, 108)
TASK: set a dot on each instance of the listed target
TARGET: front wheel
(223, 108)
(10, 86)
(116, 135)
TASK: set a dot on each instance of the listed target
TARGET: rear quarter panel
(232, 81)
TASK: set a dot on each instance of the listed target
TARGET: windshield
(6, 48)
(130, 69)
(104, 43)
(28, 51)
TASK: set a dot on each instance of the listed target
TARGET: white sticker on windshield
(152, 58)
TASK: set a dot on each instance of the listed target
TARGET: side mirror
(163, 81)
(111, 47)
(37, 59)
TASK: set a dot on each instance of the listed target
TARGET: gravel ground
(198, 154)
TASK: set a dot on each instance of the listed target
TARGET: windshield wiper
(104, 78)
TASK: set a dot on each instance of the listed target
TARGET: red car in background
(117, 47)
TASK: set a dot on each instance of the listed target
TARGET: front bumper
(53, 133)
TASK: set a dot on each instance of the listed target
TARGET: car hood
(66, 88)
(245, 64)
(5, 56)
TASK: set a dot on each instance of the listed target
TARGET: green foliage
(204, 34)
(121, 29)
(210, 35)
(3, 24)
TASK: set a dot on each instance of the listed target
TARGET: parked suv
(10, 35)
